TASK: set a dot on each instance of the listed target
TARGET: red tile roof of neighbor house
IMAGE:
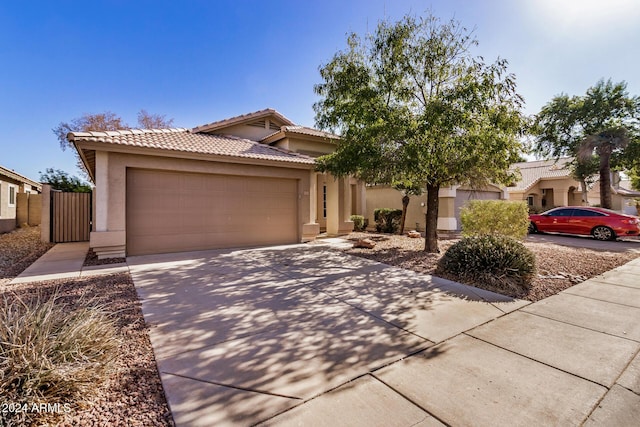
(532, 172)
(185, 140)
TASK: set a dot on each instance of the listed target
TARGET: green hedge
(359, 222)
(387, 220)
(495, 217)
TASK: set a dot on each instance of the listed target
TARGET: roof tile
(184, 140)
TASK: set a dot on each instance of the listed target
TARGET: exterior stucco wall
(312, 148)
(254, 133)
(387, 197)
(450, 200)
(111, 189)
(557, 192)
(8, 213)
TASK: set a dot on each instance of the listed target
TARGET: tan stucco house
(244, 181)
(545, 184)
(12, 185)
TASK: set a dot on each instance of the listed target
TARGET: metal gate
(70, 217)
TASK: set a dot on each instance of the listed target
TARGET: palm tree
(604, 144)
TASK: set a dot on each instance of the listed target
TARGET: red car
(602, 224)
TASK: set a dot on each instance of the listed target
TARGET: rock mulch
(559, 267)
(18, 250)
(92, 259)
(133, 395)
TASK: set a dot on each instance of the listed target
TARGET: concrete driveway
(243, 335)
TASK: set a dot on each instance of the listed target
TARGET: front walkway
(63, 261)
(304, 335)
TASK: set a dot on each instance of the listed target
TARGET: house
(12, 185)
(545, 184)
(243, 181)
(623, 198)
(450, 202)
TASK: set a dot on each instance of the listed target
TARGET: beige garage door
(174, 211)
(463, 196)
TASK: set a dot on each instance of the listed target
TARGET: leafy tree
(603, 123)
(60, 180)
(410, 101)
(583, 170)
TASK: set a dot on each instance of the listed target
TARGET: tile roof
(185, 140)
(302, 130)
(16, 176)
(241, 119)
(532, 172)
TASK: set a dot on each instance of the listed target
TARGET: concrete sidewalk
(65, 260)
(570, 359)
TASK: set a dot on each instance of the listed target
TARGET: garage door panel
(172, 211)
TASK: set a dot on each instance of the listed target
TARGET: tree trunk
(585, 192)
(431, 218)
(405, 204)
(605, 176)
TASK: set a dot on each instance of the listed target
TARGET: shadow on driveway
(241, 335)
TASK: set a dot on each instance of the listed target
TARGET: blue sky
(201, 61)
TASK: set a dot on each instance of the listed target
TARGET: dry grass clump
(53, 355)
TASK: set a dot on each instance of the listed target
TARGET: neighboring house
(451, 200)
(623, 198)
(243, 181)
(13, 184)
(545, 184)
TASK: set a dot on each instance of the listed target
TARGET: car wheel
(532, 228)
(603, 233)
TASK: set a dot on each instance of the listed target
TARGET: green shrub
(53, 354)
(498, 263)
(387, 220)
(359, 223)
(495, 217)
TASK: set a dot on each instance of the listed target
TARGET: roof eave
(221, 124)
(150, 151)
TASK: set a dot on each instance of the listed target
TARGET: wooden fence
(70, 217)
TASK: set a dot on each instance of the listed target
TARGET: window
(560, 212)
(530, 200)
(584, 212)
(12, 196)
(324, 201)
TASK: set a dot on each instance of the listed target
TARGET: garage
(464, 196)
(168, 211)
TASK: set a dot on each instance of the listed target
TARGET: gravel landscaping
(133, 394)
(18, 250)
(559, 267)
